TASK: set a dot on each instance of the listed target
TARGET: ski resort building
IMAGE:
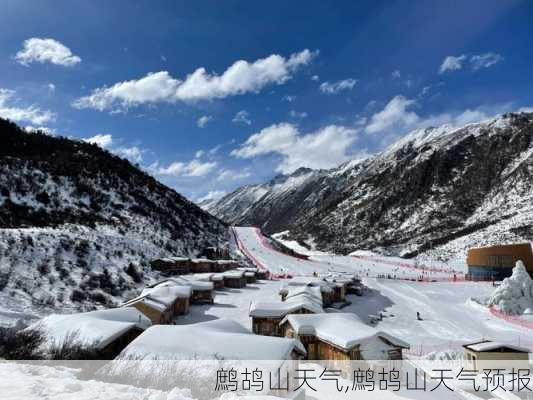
(340, 336)
(107, 332)
(495, 355)
(497, 262)
(200, 265)
(163, 302)
(267, 315)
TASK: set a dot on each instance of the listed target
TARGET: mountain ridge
(429, 189)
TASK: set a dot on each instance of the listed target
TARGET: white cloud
(397, 117)
(394, 115)
(203, 120)
(231, 175)
(485, 60)
(102, 140)
(288, 98)
(30, 114)
(296, 114)
(476, 61)
(134, 153)
(242, 117)
(452, 63)
(51, 87)
(315, 78)
(526, 109)
(44, 50)
(199, 154)
(153, 88)
(297, 149)
(396, 74)
(240, 78)
(212, 195)
(194, 168)
(336, 87)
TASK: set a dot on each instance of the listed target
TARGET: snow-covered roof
(298, 281)
(98, 328)
(180, 259)
(194, 284)
(217, 339)
(312, 291)
(340, 329)
(278, 309)
(207, 277)
(167, 292)
(233, 274)
(202, 260)
(488, 346)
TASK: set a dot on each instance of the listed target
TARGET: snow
(515, 294)
(188, 280)
(218, 339)
(276, 309)
(38, 382)
(343, 330)
(96, 327)
(311, 291)
(487, 345)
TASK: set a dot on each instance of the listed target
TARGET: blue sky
(208, 95)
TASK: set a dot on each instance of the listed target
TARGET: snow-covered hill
(79, 225)
(437, 191)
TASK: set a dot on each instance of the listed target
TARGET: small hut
(266, 315)
(216, 278)
(202, 292)
(162, 302)
(234, 279)
(202, 265)
(341, 336)
(326, 288)
(162, 264)
(486, 354)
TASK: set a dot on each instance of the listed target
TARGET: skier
(418, 316)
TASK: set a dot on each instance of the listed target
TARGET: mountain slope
(437, 190)
(73, 217)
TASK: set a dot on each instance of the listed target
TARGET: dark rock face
(432, 187)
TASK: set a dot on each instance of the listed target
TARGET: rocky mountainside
(436, 191)
(79, 225)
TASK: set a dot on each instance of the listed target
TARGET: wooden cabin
(216, 253)
(250, 277)
(341, 337)
(216, 278)
(326, 288)
(162, 264)
(486, 354)
(202, 292)
(234, 279)
(225, 265)
(163, 302)
(497, 262)
(266, 316)
(107, 332)
(201, 265)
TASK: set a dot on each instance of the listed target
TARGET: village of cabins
(304, 322)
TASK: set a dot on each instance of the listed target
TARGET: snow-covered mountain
(78, 225)
(436, 191)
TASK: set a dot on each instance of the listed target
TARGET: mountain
(79, 225)
(437, 191)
